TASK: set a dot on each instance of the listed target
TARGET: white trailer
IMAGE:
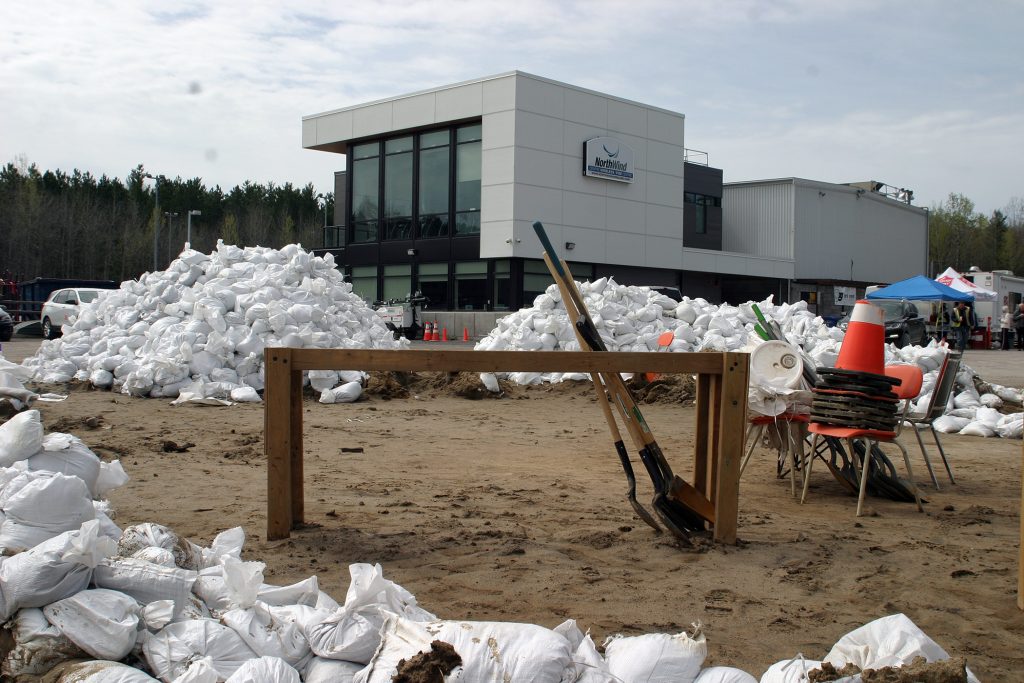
(1009, 289)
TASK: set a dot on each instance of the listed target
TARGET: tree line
(961, 237)
(75, 225)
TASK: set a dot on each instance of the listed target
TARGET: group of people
(1012, 324)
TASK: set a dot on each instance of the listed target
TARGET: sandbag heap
(630, 318)
(199, 328)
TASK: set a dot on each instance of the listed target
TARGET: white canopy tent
(953, 279)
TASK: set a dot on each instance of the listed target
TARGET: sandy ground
(513, 509)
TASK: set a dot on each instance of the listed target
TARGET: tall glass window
(435, 154)
(467, 179)
(397, 281)
(536, 280)
(502, 285)
(471, 286)
(433, 282)
(365, 192)
(701, 202)
(364, 282)
(398, 189)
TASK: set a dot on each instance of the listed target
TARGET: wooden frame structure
(720, 423)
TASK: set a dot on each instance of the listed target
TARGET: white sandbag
(164, 558)
(199, 671)
(948, 424)
(102, 622)
(227, 543)
(21, 437)
(587, 663)
(894, 640)
(966, 399)
(352, 633)
(320, 670)
(170, 651)
(346, 393)
(38, 646)
(490, 382)
(305, 592)
(110, 477)
(97, 671)
(991, 401)
(53, 570)
(724, 674)
(41, 505)
(988, 416)
(978, 429)
(145, 581)
(790, 670)
(265, 670)
(526, 652)
(138, 536)
(656, 657)
(157, 614)
(67, 454)
(1011, 426)
(268, 635)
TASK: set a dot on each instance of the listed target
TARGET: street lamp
(156, 231)
(324, 198)
(171, 215)
(188, 236)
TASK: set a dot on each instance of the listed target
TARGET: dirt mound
(918, 671)
(428, 667)
(663, 389)
(388, 385)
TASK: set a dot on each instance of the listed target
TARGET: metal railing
(695, 156)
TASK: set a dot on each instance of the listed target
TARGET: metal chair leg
(865, 470)
(927, 461)
(910, 473)
(945, 462)
(753, 442)
(807, 468)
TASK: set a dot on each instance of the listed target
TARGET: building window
(701, 203)
(502, 285)
(536, 280)
(434, 183)
(364, 282)
(365, 191)
(398, 189)
(471, 286)
(397, 281)
(467, 179)
(433, 283)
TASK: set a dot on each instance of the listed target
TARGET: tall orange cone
(863, 348)
(465, 334)
(435, 337)
(444, 334)
(426, 331)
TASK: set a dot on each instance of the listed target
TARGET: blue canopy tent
(920, 288)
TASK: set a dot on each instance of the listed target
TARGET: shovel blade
(685, 494)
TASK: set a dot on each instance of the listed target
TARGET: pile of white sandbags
(12, 384)
(199, 328)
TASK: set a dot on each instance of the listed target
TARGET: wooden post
(733, 422)
(701, 426)
(295, 445)
(277, 435)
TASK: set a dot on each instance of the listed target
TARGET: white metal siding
(758, 219)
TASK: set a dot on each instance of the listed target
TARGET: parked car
(62, 306)
(6, 325)
(903, 323)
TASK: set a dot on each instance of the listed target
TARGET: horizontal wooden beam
(448, 360)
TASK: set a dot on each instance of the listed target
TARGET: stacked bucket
(857, 394)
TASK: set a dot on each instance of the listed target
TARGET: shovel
(680, 507)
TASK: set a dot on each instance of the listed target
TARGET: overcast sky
(923, 95)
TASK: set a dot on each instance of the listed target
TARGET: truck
(1009, 289)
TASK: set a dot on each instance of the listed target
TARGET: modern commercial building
(441, 187)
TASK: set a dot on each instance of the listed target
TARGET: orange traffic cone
(465, 334)
(863, 348)
(435, 337)
(444, 334)
(426, 331)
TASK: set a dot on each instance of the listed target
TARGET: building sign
(845, 296)
(608, 158)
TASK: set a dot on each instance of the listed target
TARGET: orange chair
(909, 387)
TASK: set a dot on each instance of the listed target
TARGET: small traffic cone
(465, 334)
(863, 348)
(435, 337)
(426, 331)
(444, 334)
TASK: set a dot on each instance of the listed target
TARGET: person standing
(1018, 326)
(1005, 329)
(961, 325)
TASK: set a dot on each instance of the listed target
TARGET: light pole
(324, 198)
(188, 235)
(156, 230)
(171, 215)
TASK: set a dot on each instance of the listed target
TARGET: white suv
(62, 307)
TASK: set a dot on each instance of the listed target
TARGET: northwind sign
(608, 158)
